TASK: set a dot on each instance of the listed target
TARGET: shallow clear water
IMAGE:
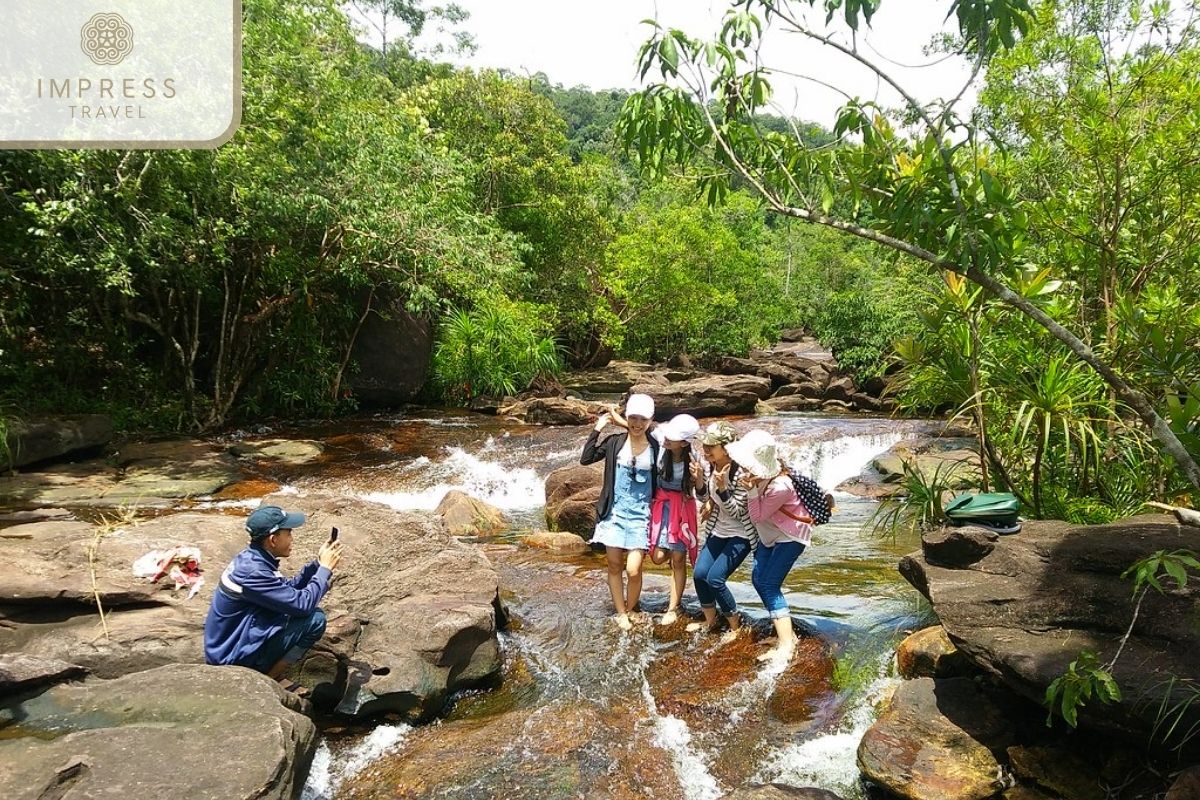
(585, 710)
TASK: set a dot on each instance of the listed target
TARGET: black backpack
(818, 501)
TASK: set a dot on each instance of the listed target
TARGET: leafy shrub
(494, 350)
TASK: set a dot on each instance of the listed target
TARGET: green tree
(207, 284)
(933, 190)
(564, 213)
(687, 279)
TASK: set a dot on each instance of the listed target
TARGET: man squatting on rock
(258, 618)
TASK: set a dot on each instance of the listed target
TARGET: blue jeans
(771, 566)
(716, 562)
(291, 643)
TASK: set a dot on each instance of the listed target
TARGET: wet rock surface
(555, 541)
(286, 451)
(937, 740)
(1028, 607)
(231, 732)
(779, 791)
(929, 653)
(142, 475)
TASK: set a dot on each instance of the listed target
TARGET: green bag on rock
(995, 510)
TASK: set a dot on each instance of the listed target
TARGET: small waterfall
(672, 735)
(326, 774)
(483, 475)
(512, 477)
(831, 461)
(829, 760)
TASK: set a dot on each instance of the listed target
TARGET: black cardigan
(594, 450)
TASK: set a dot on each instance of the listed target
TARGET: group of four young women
(658, 498)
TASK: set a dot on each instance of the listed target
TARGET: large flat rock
(144, 474)
(412, 610)
(1027, 605)
(191, 731)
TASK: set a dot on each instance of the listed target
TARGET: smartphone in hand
(333, 535)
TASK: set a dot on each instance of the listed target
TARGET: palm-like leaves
(1062, 396)
(492, 351)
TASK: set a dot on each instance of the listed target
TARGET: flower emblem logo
(106, 38)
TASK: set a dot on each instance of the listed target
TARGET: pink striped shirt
(774, 512)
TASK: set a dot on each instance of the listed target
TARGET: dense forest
(540, 228)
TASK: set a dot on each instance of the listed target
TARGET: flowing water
(584, 710)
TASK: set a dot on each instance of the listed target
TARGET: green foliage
(982, 201)
(564, 213)
(1151, 570)
(1084, 678)
(1175, 718)
(203, 285)
(862, 330)
(686, 279)
(495, 350)
(921, 503)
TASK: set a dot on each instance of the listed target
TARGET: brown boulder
(714, 395)
(802, 388)
(195, 731)
(464, 515)
(1027, 609)
(929, 653)
(428, 604)
(865, 402)
(793, 402)
(616, 378)
(571, 494)
(555, 541)
(552, 411)
(935, 741)
(841, 388)
(30, 441)
(731, 365)
(577, 514)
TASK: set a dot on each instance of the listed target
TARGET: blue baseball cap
(265, 520)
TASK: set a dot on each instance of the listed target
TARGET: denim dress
(628, 525)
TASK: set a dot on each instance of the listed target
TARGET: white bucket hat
(755, 452)
(681, 428)
(640, 405)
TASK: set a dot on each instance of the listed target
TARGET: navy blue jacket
(253, 602)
